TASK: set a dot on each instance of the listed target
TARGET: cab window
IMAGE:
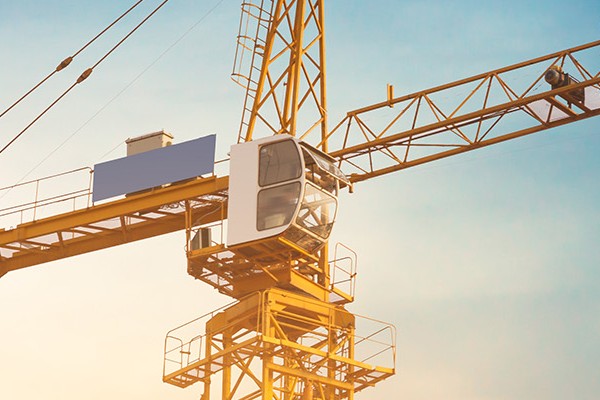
(277, 205)
(279, 162)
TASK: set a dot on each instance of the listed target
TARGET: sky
(487, 263)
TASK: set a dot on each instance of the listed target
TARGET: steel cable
(84, 75)
(169, 48)
(65, 63)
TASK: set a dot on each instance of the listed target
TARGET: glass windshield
(327, 165)
(276, 206)
(279, 162)
(317, 211)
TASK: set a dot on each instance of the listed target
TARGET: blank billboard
(154, 168)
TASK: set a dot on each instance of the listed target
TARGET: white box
(151, 141)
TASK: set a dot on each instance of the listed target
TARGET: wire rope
(115, 97)
(83, 76)
(65, 63)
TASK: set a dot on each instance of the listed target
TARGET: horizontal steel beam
(122, 208)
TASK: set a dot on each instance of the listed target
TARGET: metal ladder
(255, 23)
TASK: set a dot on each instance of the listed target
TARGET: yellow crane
(288, 334)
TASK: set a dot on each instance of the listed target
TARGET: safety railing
(375, 342)
(51, 195)
(254, 25)
(185, 345)
(364, 349)
(343, 271)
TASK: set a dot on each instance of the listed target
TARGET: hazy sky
(487, 263)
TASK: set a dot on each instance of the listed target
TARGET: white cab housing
(279, 186)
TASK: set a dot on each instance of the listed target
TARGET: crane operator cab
(282, 199)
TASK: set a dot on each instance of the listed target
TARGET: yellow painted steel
(425, 128)
(117, 222)
(82, 231)
(288, 335)
(292, 80)
(278, 342)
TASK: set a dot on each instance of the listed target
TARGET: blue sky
(487, 263)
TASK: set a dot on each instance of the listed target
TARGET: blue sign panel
(154, 168)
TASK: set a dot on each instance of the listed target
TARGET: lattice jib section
(472, 113)
(120, 221)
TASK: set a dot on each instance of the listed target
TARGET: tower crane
(261, 234)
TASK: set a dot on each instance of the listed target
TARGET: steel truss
(288, 336)
(133, 218)
(288, 54)
(465, 115)
(280, 345)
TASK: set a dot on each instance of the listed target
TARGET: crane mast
(288, 334)
(283, 42)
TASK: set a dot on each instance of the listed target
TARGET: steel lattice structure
(288, 334)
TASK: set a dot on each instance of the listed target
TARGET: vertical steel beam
(227, 358)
